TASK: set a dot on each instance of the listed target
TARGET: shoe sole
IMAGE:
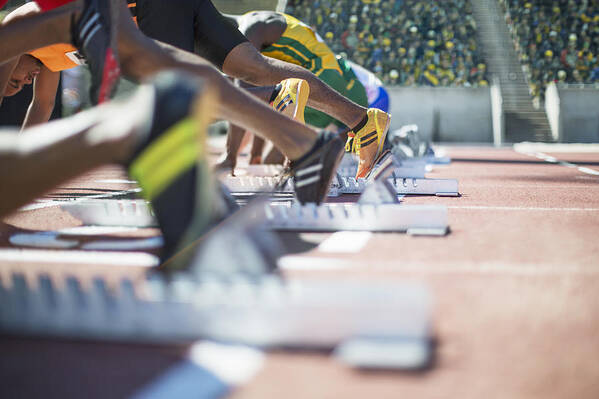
(324, 189)
(328, 171)
(379, 150)
(202, 110)
(301, 99)
(243, 220)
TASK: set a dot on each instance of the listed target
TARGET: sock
(275, 93)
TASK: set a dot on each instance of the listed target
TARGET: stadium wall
(574, 113)
(444, 114)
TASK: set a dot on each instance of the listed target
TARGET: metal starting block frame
(248, 185)
(343, 184)
(402, 186)
(376, 209)
(411, 219)
(407, 143)
(265, 312)
(131, 213)
(373, 215)
(384, 173)
(240, 303)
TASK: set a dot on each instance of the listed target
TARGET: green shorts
(351, 89)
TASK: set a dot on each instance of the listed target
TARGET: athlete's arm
(6, 71)
(44, 95)
(7, 67)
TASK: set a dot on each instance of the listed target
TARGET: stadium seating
(404, 42)
(557, 41)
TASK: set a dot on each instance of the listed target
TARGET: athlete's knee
(246, 63)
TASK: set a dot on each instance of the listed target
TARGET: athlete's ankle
(301, 148)
(360, 124)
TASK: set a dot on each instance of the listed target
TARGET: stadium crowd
(557, 41)
(404, 42)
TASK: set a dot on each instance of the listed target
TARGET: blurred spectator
(402, 41)
(557, 41)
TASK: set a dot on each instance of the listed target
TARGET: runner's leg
(246, 63)
(142, 57)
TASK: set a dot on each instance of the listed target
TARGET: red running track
(516, 287)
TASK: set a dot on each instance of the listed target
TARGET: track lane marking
(109, 258)
(548, 158)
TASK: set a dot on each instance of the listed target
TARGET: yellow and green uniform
(300, 45)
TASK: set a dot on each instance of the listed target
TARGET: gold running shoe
(292, 98)
(368, 141)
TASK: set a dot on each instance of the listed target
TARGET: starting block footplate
(413, 219)
(268, 312)
(345, 185)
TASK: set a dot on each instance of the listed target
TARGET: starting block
(245, 305)
(255, 185)
(246, 185)
(343, 184)
(256, 248)
(267, 312)
(414, 168)
(133, 213)
(370, 214)
(402, 186)
(407, 143)
(383, 179)
(412, 219)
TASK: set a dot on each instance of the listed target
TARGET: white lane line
(550, 159)
(212, 371)
(562, 147)
(51, 203)
(233, 364)
(296, 262)
(590, 171)
(79, 257)
(345, 242)
(518, 208)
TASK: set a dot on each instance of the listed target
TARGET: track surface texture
(516, 288)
